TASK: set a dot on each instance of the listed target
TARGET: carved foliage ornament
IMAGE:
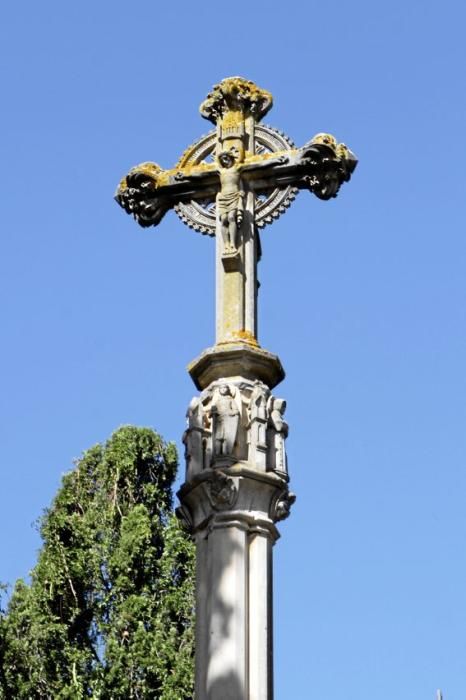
(330, 163)
(236, 95)
(282, 506)
(137, 195)
(184, 517)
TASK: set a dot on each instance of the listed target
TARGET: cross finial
(236, 95)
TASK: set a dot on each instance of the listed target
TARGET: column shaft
(226, 672)
(260, 618)
(203, 584)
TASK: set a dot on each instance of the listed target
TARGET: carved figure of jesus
(230, 201)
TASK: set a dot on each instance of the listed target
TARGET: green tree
(109, 610)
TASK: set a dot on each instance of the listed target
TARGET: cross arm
(320, 166)
(148, 192)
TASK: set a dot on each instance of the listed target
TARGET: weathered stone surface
(238, 359)
(232, 421)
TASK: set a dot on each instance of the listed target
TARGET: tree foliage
(108, 612)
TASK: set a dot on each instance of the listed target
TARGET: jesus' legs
(232, 229)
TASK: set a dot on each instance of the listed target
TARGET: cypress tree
(108, 613)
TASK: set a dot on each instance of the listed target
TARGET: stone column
(233, 496)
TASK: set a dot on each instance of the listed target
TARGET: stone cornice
(240, 359)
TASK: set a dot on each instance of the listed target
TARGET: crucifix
(230, 184)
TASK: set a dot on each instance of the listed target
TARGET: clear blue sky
(362, 297)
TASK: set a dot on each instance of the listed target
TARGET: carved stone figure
(225, 421)
(276, 416)
(258, 401)
(230, 201)
(240, 421)
(193, 438)
(257, 425)
(278, 435)
(258, 412)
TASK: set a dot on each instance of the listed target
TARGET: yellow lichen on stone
(232, 119)
(246, 337)
(148, 168)
(236, 94)
(342, 151)
(326, 140)
(122, 185)
(260, 158)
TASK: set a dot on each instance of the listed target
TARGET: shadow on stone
(227, 687)
(227, 602)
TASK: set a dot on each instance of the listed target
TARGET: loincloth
(228, 202)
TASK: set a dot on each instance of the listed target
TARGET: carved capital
(240, 493)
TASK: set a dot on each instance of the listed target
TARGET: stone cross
(231, 183)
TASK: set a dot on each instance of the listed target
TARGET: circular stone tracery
(270, 204)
